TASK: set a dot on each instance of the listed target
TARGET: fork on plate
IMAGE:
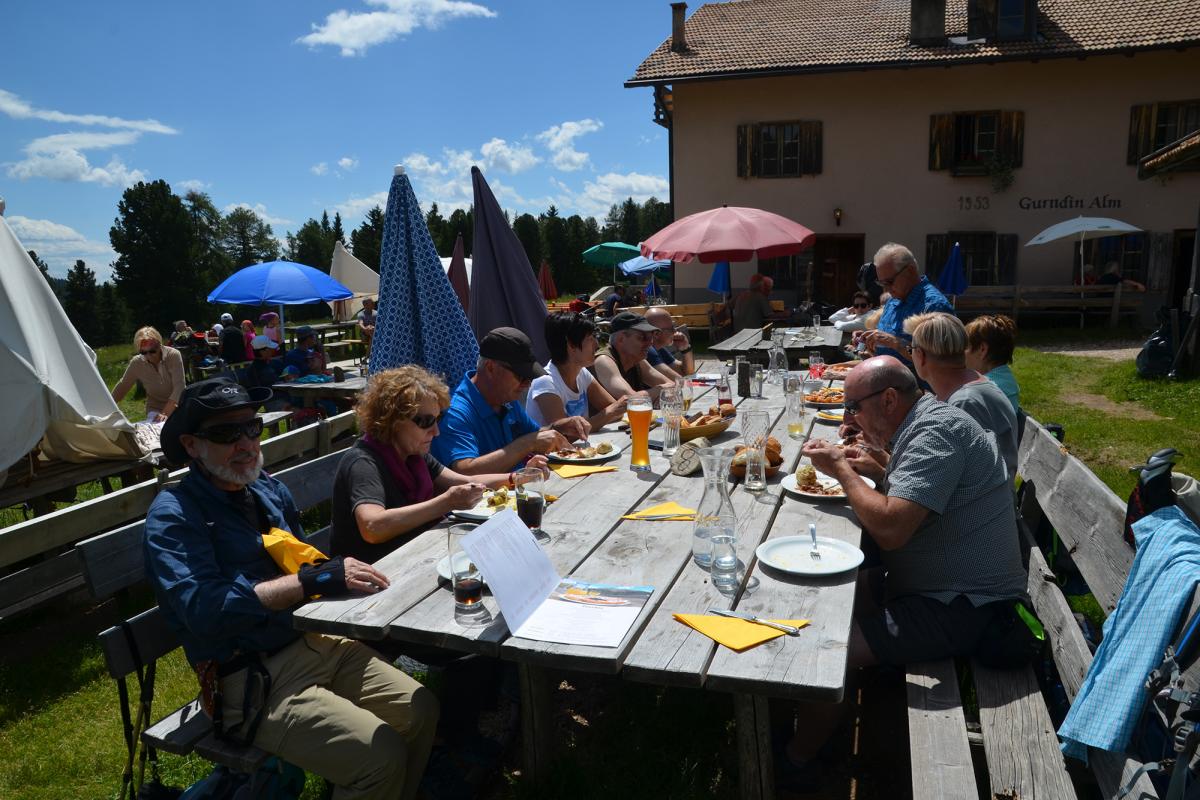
(815, 553)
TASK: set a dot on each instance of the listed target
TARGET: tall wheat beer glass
(639, 411)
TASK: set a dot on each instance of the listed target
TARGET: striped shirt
(967, 545)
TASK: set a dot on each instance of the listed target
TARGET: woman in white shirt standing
(568, 388)
(853, 318)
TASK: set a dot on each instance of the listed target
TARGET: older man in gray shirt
(944, 522)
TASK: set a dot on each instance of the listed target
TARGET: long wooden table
(309, 393)
(589, 540)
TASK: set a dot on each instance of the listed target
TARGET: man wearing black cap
(324, 703)
(307, 357)
(622, 369)
(486, 429)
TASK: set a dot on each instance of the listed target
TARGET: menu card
(539, 604)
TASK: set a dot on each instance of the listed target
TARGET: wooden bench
(1082, 300)
(1020, 745)
(692, 315)
(114, 561)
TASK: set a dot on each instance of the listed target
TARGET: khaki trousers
(339, 710)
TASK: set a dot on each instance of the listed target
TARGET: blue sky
(290, 107)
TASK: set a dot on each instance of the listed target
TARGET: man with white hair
(667, 336)
(327, 704)
(899, 274)
(622, 368)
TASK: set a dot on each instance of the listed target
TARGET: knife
(788, 629)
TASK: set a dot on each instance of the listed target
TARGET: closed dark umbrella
(504, 291)
(546, 282)
(458, 274)
(419, 320)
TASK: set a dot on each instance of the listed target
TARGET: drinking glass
(756, 382)
(684, 385)
(723, 561)
(670, 402)
(756, 425)
(465, 580)
(794, 400)
(639, 412)
(530, 484)
(816, 364)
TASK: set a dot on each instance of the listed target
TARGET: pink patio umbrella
(729, 233)
(546, 283)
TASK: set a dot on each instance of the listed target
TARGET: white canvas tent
(52, 391)
(355, 276)
(446, 266)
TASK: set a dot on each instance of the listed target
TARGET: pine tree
(339, 235)
(79, 301)
(111, 316)
(367, 239)
(526, 228)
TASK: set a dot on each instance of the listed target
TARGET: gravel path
(1113, 351)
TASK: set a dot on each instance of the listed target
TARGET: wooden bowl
(711, 429)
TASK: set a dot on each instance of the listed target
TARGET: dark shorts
(916, 628)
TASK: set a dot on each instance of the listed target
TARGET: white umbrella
(1084, 228)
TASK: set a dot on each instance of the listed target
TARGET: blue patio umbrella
(642, 265)
(278, 283)
(720, 282)
(953, 280)
(652, 287)
(420, 320)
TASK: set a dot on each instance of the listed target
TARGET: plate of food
(810, 484)
(838, 372)
(835, 417)
(826, 398)
(585, 454)
(793, 554)
(461, 560)
(493, 500)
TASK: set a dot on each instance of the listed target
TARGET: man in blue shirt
(899, 274)
(307, 356)
(666, 337)
(327, 704)
(486, 429)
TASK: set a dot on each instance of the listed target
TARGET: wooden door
(836, 259)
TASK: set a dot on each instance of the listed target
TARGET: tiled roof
(754, 36)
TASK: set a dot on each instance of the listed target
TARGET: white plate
(834, 419)
(788, 483)
(443, 566)
(811, 404)
(481, 511)
(791, 554)
(706, 377)
(609, 456)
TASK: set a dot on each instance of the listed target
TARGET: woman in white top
(569, 388)
(853, 317)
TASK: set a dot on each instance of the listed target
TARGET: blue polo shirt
(471, 427)
(923, 298)
(660, 355)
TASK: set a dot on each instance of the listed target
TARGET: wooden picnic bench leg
(537, 739)
(756, 769)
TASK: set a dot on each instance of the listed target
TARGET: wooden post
(324, 438)
(1016, 305)
(756, 770)
(1115, 314)
(536, 723)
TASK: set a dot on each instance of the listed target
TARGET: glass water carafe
(777, 360)
(715, 518)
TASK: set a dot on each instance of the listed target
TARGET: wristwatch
(684, 351)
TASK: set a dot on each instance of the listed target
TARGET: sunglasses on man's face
(886, 283)
(230, 432)
(425, 421)
(852, 407)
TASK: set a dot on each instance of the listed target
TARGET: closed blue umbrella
(953, 280)
(419, 319)
(642, 265)
(278, 283)
(652, 287)
(504, 291)
(719, 282)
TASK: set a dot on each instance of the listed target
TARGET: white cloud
(598, 195)
(347, 163)
(61, 157)
(192, 185)
(500, 155)
(319, 169)
(560, 140)
(261, 211)
(60, 246)
(357, 207)
(17, 108)
(354, 32)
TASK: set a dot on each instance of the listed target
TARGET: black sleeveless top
(632, 376)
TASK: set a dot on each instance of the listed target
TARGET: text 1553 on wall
(978, 202)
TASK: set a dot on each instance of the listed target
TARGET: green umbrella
(609, 254)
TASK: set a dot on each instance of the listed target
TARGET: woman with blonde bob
(990, 344)
(388, 487)
(159, 368)
(938, 352)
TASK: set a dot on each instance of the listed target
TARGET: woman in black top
(388, 488)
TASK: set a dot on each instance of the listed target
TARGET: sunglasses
(887, 282)
(425, 421)
(230, 432)
(149, 352)
(852, 407)
(861, 305)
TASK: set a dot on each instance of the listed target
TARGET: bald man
(667, 336)
(945, 525)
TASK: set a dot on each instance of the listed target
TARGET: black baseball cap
(200, 401)
(629, 321)
(303, 332)
(513, 348)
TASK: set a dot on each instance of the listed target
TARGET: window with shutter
(937, 250)
(743, 151)
(779, 149)
(1007, 247)
(976, 142)
(980, 263)
(1153, 126)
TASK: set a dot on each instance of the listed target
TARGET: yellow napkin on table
(736, 634)
(670, 512)
(579, 470)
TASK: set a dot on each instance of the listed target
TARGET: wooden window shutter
(1010, 136)
(811, 146)
(743, 151)
(941, 141)
(1141, 132)
(1006, 259)
(981, 19)
(937, 250)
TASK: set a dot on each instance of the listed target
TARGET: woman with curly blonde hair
(388, 487)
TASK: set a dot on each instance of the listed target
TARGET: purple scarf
(412, 474)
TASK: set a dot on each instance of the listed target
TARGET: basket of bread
(715, 421)
(737, 466)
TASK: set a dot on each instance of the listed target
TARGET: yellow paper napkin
(579, 470)
(669, 512)
(736, 634)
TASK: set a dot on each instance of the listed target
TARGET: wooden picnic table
(322, 329)
(590, 541)
(309, 393)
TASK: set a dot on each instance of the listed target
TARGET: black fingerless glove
(327, 579)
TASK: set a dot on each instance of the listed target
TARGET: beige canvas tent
(355, 276)
(53, 394)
